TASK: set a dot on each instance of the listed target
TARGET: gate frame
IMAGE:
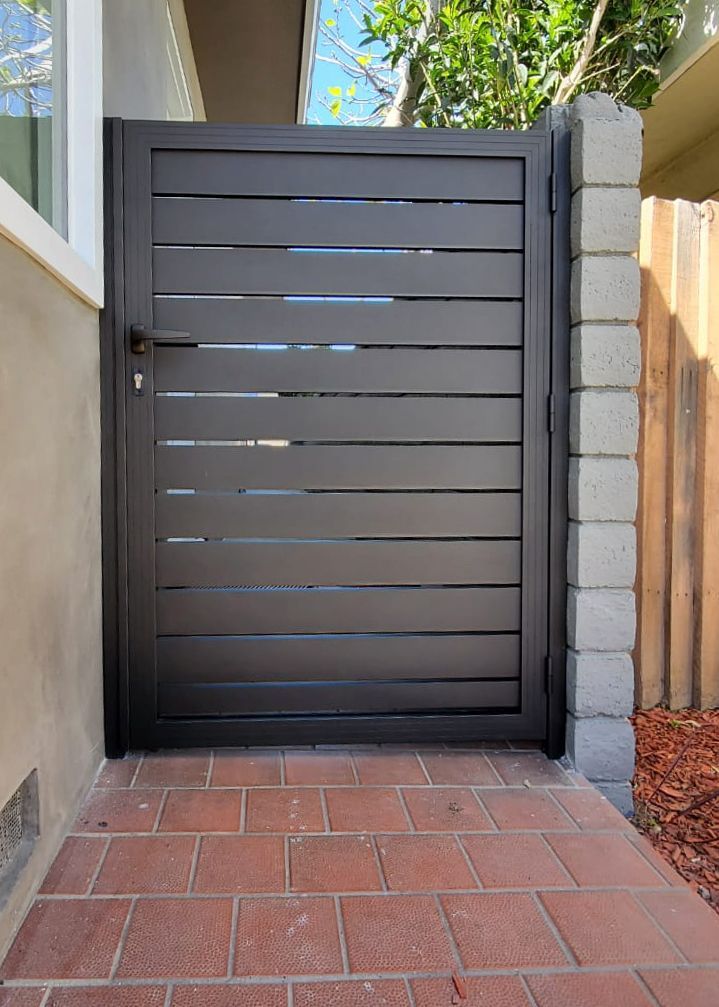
(113, 376)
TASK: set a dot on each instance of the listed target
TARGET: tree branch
(568, 85)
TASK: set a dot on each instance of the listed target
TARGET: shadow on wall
(677, 653)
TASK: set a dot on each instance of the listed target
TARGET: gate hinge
(551, 413)
(548, 675)
(553, 192)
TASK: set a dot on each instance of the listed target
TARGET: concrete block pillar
(606, 145)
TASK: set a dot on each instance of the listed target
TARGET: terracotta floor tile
(660, 865)
(358, 809)
(202, 811)
(284, 810)
(237, 864)
(424, 863)
(119, 811)
(515, 861)
(590, 809)
(446, 809)
(318, 768)
(67, 939)
(264, 995)
(607, 928)
(246, 769)
(683, 987)
(518, 768)
(21, 997)
(382, 768)
(370, 993)
(524, 808)
(173, 769)
(489, 991)
(398, 933)
(153, 865)
(587, 989)
(108, 996)
(74, 867)
(177, 938)
(291, 936)
(494, 931)
(333, 864)
(603, 860)
(117, 772)
(468, 768)
(690, 923)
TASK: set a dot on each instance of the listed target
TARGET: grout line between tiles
(325, 812)
(193, 863)
(554, 928)
(410, 992)
(133, 781)
(161, 810)
(123, 937)
(670, 940)
(232, 951)
(405, 809)
(468, 860)
(449, 934)
(527, 991)
(210, 770)
(286, 851)
(100, 865)
(419, 759)
(378, 862)
(283, 770)
(558, 860)
(646, 990)
(243, 811)
(168, 995)
(342, 935)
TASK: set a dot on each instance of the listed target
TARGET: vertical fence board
(655, 258)
(683, 375)
(706, 642)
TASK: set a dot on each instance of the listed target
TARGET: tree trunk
(402, 109)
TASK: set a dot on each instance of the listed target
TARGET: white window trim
(77, 262)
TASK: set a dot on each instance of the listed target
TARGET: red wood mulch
(676, 792)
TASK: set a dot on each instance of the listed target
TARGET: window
(32, 106)
(51, 135)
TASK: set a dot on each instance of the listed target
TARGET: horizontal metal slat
(272, 320)
(338, 515)
(327, 658)
(459, 372)
(367, 274)
(338, 419)
(228, 564)
(369, 610)
(357, 466)
(354, 176)
(345, 697)
(308, 223)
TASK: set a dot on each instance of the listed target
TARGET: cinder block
(603, 422)
(601, 554)
(603, 489)
(606, 142)
(605, 356)
(605, 219)
(601, 747)
(600, 619)
(600, 684)
(605, 288)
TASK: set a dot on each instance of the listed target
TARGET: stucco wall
(50, 604)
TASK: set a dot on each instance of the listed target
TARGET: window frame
(78, 260)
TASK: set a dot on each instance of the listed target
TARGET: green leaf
(335, 107)
(330, 22)
(336, 91)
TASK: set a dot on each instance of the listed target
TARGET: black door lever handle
(140, 334)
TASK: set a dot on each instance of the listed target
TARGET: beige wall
(50, 598)
(147, 73)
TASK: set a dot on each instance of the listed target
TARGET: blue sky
(326, 75)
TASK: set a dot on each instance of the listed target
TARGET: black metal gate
(331, 396)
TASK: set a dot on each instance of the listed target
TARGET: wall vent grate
(12, 827)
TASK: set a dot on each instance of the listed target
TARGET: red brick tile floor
(383, 877)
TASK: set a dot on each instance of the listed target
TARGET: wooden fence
(677, 656)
